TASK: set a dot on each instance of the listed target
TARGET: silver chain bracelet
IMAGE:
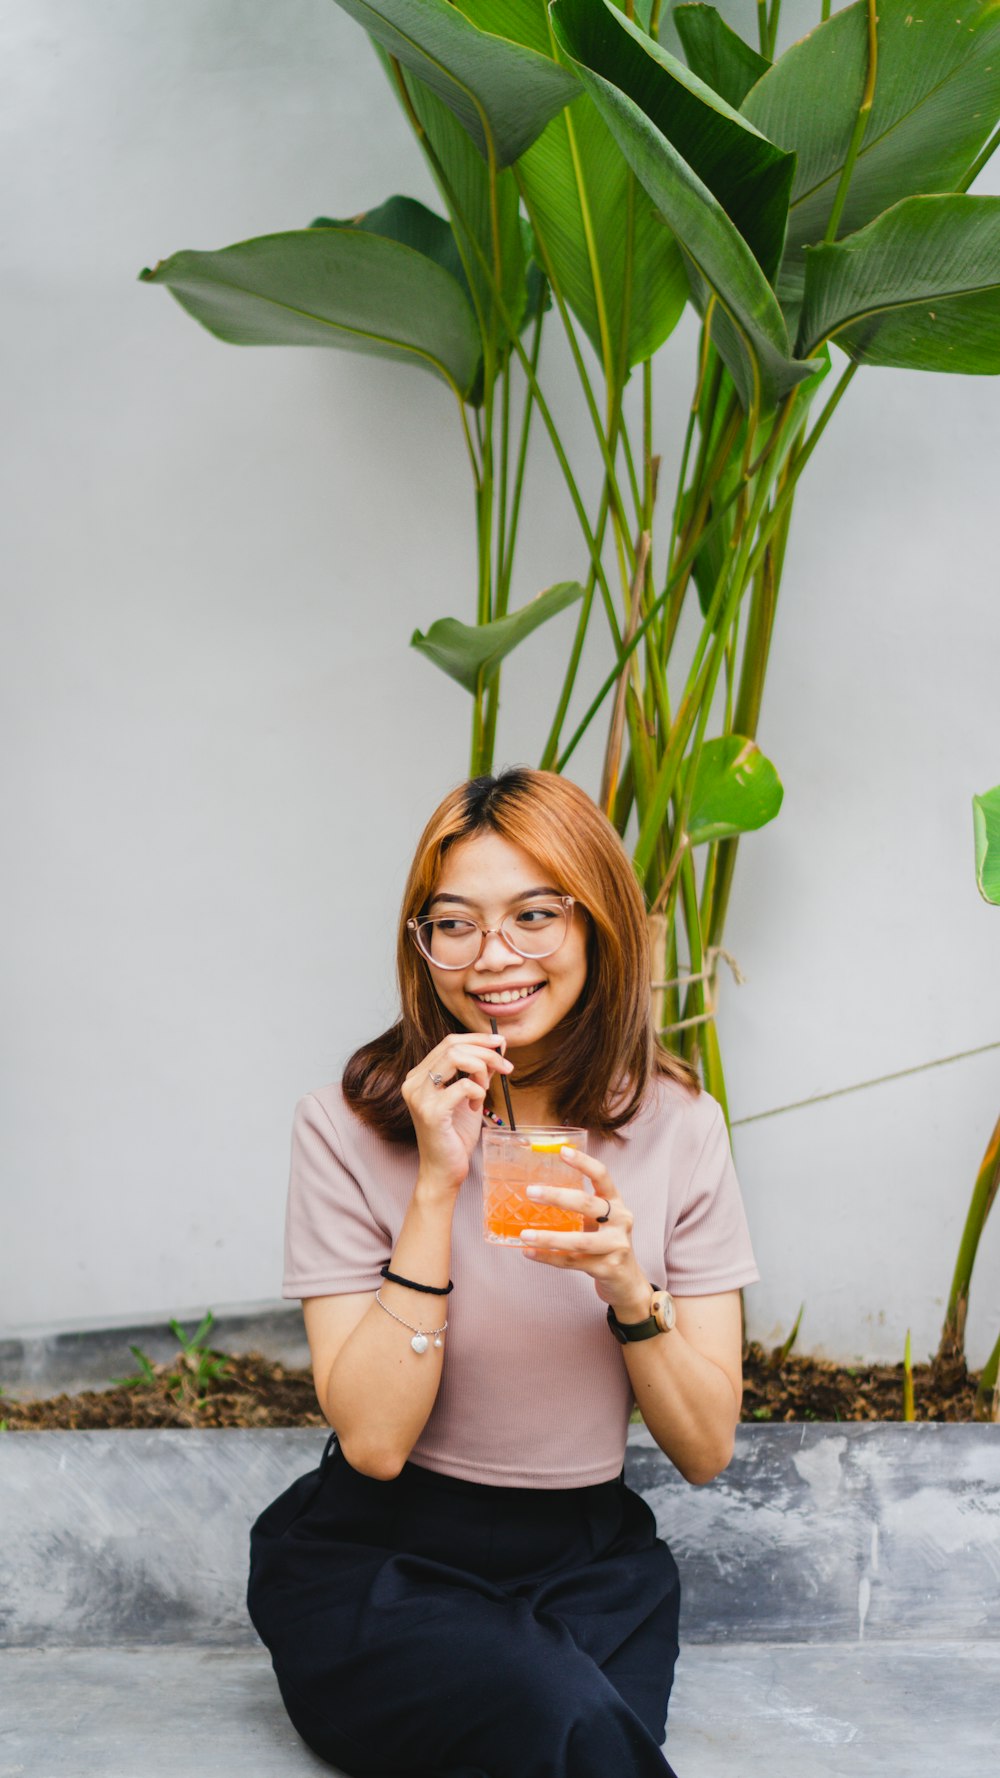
(420, 1340)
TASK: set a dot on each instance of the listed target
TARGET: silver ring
(438, 1079)
(607, 1212)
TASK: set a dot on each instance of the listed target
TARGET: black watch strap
(626, 1332)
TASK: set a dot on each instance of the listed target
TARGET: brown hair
(608, 1051)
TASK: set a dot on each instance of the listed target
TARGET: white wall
(218, 743)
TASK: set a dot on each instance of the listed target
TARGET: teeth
(506, 996)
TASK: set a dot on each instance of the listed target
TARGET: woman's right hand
(448, 1118)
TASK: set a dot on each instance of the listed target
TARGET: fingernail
(533, 1191)
(567, 1149)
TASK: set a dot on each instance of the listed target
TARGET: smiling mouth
(507, 996)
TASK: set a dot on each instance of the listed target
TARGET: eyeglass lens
(534, 931)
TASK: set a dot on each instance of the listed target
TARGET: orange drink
(515, 1159)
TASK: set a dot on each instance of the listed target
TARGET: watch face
(664, 1312)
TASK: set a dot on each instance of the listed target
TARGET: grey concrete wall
(216, 735)
(814, 1533)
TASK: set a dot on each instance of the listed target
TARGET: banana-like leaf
(717, 54)
(502, 93)
(331, 287)
(473, 653)
(615, 275)
(986, 824)
(749, 177)
(919, 288)
(937, 99)
(411, 224)
(576, 182)
(468, 177)
(616, 63)
(735, 790)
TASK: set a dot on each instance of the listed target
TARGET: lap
(391, 1659)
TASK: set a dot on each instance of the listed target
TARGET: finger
(567, 1197)
(595, 1170)
(585, 1241)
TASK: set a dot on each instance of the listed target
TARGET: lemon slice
(545, 1147)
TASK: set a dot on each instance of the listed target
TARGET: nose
(496, 953)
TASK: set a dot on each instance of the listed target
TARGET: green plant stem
(778, 521)
(860, 126)
(522, 454)
(772, 30)
(457, 215)
(909, 1410)
(762, 31)
(824, 11)
(614, 399)
(952, 1343)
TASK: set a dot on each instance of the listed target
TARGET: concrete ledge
(751, 1710)
(814, 1534)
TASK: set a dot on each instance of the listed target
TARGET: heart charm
(419, 1342)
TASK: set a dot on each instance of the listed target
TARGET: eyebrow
(525, 895)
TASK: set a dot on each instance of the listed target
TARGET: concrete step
(753, 1710)
(813, 1534)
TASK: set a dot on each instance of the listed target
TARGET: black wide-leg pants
(446, 1629)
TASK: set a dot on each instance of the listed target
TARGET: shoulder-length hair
(608, 1052)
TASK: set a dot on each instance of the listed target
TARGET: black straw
(503, 1083)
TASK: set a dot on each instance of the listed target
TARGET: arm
(687, 1383)
(372, 1386)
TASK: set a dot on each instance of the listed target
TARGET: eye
(535, 917)
(449, 928)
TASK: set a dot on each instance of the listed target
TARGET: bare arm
(688, 1383)
(371, 1384)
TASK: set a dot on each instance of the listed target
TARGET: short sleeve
(708, 1246)
(333, 1242)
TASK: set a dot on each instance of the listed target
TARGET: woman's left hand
(605, 1252)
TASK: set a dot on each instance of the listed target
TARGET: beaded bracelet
(429, 1289)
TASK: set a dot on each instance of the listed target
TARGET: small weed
(4, 1425)
(187, 1377)
(761, 1413)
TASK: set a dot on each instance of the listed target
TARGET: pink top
(534, 1390)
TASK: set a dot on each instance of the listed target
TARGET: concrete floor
(752, 1710)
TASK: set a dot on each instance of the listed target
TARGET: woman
(466, 1586)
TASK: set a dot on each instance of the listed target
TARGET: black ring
(607, 1212)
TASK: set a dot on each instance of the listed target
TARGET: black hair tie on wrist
(429, 1289)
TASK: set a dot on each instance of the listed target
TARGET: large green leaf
(986, 825)
(918, 288)
(735, 790)
(331, 287)
(750, 178)
(468, 178)
(616, 275)
(411, 224)
(502, 93)
(937, 99)
(716, 53)
(472, 653)
(576, 183)
(615, 62)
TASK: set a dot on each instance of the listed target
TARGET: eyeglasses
(452, 941)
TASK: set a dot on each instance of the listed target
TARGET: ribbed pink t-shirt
(534, 1391)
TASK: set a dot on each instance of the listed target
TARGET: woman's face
(484, 878)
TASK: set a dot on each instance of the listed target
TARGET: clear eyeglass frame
(415, 928)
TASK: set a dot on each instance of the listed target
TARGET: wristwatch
(661, 1318)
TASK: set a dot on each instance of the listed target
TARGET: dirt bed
(253, 1391)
